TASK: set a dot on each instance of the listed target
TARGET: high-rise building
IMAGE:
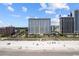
(67, 25)
(39, 26)
(75, 14)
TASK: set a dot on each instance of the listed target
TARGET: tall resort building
(76, 21)
(39, 26)
(67, 25)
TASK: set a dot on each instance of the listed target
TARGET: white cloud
(35, 17)
(64, 15)
(24, 9)
(15, 15)
(9, 6)
(27, 17)
(55, 20)
(10, 9)
(59, 5)
(51, 8)
(43, 6)
(31, 17)
(49, 12)
(2, 24)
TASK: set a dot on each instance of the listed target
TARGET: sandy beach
(25, 52)
(39, 48)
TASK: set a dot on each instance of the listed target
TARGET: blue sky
(17, 14)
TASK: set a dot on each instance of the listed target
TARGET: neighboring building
(67, 25)
(75, 14)
(55, 28)
(7, 30)
(39, 26)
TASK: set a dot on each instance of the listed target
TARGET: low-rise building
(7, 30)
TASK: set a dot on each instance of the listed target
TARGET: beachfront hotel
(39, 26)
(70, 24)
(75, 14)
(67, 24)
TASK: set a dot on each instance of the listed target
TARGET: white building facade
(39, 26)
(76, 21)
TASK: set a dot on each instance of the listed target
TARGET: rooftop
(39, 18)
